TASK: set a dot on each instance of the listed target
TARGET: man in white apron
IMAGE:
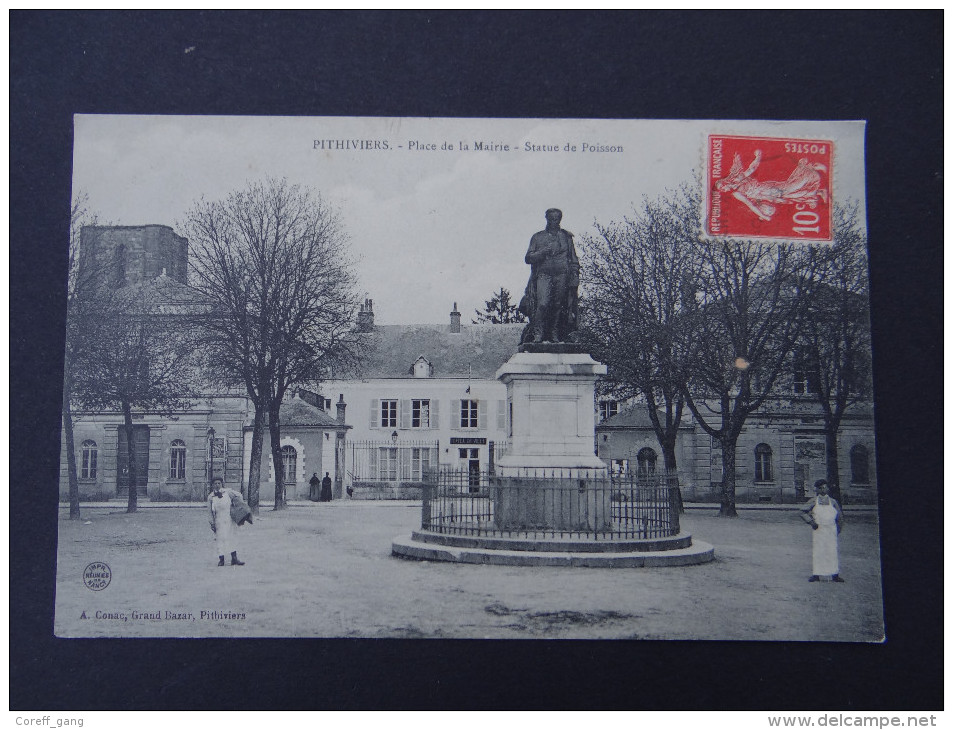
(825, 517)
(221, 522)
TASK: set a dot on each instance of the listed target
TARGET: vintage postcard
(468, 378)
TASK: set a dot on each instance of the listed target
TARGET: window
(646, 460)
(859, 465)
(762, 463)
(388, 414)
(806, 374)
(607, 409)
(420, 463)
(420, 414)
(422, 368)
(289, 461)
(90, 456)
(468, 414)
(177, 460)
(387, 465)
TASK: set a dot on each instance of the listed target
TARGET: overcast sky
(427, 227)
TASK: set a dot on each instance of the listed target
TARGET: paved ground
(325, 570)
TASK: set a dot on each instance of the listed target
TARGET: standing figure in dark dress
(314, 494)
(326, 487)
(551, 299)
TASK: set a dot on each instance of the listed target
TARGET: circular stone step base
(698, 552)
(555, 545)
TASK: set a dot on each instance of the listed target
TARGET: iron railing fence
(552, 504)
(393, 461)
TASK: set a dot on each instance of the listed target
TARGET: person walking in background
(326, 487)
(825, 517)
(227, 511)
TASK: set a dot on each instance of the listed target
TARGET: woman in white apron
(824, 515)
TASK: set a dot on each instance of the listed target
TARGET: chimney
(365, 317)
(455, 320)
(341, 405)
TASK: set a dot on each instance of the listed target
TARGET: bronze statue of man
(551, 296)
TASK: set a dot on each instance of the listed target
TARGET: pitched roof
(636, 416)
(170, 296)
(297, 412)
(477, 350)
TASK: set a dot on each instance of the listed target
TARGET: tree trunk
(833, 468)
(254, 467)
(132, 502)
(728, 445)
(70, 455)
(671, 468)
(274, 429)
(668, 454)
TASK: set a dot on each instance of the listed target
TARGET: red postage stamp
(766, 187)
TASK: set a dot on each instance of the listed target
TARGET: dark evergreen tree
(500, 309)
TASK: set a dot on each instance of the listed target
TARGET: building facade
(426, 398)
(779, 455)
(178, 454)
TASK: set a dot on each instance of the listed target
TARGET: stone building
(128, 255)
(178, 453)
(779, 455)
(425, 398)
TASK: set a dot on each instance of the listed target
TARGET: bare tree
(835, 342)
(500, 309)
(640, 278)
(752, 302)
(138, 354)
(272, 257)
(81, 317)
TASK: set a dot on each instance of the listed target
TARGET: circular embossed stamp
(96, 576)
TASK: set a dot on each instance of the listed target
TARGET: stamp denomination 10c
(766, 187)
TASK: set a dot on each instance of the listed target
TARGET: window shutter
(481, 414)
(425, 463)
(372, 461)
(375, 410)
(434, 414)
(501, 415)
(404, 414)
(405, 462)
(455, 415)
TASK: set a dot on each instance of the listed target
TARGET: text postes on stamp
(766, 187)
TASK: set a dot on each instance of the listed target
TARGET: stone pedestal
(550, 398)
(541, 480)
(567, 505)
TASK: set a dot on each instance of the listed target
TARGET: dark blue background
(882, 67)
